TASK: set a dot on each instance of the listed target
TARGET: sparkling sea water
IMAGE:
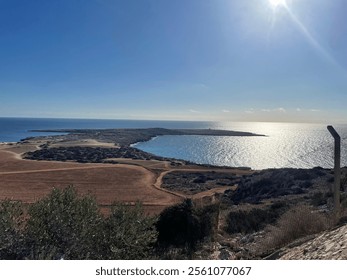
(285, 144)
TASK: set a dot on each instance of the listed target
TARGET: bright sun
(277, 3)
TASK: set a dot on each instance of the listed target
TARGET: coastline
(284, 146)
(133, 145)
(158, 182)
(125, 140)
(129, 136)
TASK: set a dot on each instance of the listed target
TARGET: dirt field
(30, 180)
(129, 181)
(84, 143)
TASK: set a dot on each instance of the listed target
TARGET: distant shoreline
(285, 145)
(117, 143)
(130, 136)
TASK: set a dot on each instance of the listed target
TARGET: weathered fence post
(337, 171)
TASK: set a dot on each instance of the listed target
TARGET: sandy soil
(20, 148)
(84, 143)
(155, 164)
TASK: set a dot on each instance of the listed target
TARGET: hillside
(329, 245)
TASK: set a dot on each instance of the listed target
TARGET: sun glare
(277, 3)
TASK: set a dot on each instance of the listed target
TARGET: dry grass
(28, 181)
(299, 221)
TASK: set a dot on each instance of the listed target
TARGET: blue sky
(236, 60)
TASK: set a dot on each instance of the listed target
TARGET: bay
(285, 145)
(289, 145)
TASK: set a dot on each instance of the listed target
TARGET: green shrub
(63, 225)
(244, 221)
(320, 198)
(343, 200)
(11, 222)
(128, 233)
(254, 220)
(208, 219)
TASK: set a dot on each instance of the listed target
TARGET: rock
(329, 245)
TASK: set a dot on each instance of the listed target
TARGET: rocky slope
(330, 245)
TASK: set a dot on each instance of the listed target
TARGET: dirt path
(129, 181)
(28, 181)
(208, 195)
(212, 192)
(159, 180)
(72, 168)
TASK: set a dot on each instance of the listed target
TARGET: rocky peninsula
(120, 142)
(128, 136)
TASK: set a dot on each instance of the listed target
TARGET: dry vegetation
(297, 222)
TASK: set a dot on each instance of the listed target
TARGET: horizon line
(169, 120)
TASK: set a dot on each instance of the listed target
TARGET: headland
(104, 163)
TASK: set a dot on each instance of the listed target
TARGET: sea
(294, 145)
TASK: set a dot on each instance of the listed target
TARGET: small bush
(254, 220)
(184, 225)
(11, 222)
(305, 185)
(244, 221)
(297, 222)
(319, 199)
(128, 233)
(64, 225)
(208, 219)
(178, 226)
(343, 199)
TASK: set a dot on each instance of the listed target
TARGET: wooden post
(337, 171)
